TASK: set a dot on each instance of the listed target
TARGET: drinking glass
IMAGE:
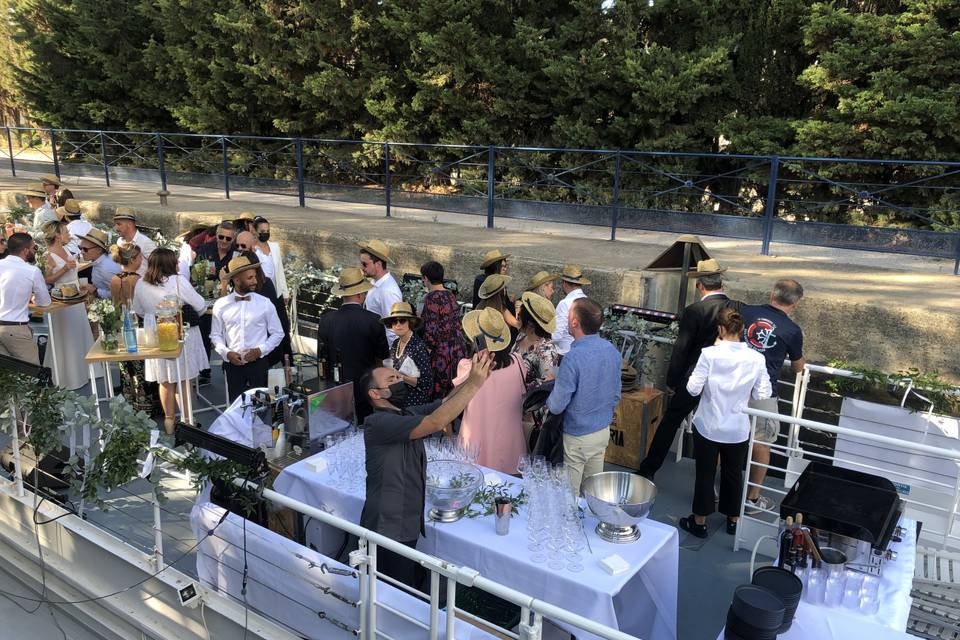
(851, 589)
(833, 593)
(816, 586)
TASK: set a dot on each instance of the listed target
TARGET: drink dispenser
(168, 323)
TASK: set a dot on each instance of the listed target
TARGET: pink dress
(493, 419)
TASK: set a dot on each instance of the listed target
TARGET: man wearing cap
(37, 200)
(125, 224)
(571, 281)
(56, 196)
(353, 336)
(20, 280)
(95, 248)
(494, 261)
(374, 258)
(698, 329)
(244, 330)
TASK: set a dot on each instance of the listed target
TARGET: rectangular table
(641, 602)
(53, 307)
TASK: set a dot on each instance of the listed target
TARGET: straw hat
(50, 179)
(402, 310)
(541, 278)
(493, 256)
(352, 282)
(708, 267)
(247, 215)
(34, 190)
(629, 378)
(70, 208)
(541, 310)
(573, 274)
(97, 237)
(490, 324)
(494, 284)
(240, 264)
(377, 249)
(124, 213)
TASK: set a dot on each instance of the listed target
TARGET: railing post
(300, 188)
(103, 157)
(13, 164)
(491, 170)
(956, 264)
(771, 207)
(226, 167)
(616, 198)
(53, 147)
(387, 186)
(162, 163)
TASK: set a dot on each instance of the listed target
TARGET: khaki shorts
(766, 431)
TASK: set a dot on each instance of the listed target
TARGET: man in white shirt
(125, 224)
(571, 280)
(244, 329)
(37, 200)
(70, 213)
(94, 248)
(19, 281)
(374, 258)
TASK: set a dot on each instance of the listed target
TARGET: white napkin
(409, 368)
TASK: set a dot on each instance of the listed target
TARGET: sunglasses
(242, 247)
(219, 237)
(393, 321)
(85, 249)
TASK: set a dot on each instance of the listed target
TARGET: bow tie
(241, 298)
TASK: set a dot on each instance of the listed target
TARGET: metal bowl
(620, 500)
(451, 487)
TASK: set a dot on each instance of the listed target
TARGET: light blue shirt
(104, 268)
(587, 389)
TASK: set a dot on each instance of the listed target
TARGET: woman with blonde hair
(543, 284)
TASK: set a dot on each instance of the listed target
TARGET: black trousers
(679, 407)
(403, 570)
(248, 376)
(733, 460)
(205, 325)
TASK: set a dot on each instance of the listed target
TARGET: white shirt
(268, 267)
(561, 334)
(42, 215)
(19, 281)
(728, 374)
(147, 246)
(382, 297)
(185, 260)
(147, 296)
(77, 228)
(237, 325)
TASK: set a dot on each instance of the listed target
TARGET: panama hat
(492, 285)
(541, 278)
(377, 249)
(493, 256)
(97, 237)
(490, 324)
(573, 274)
(34, 190)
(70, 208)
(50, 179)
(629, 378)
(240, 264)
(541, 310)
(708, 267)
(402, 310)
(352, 282)
(124, 213)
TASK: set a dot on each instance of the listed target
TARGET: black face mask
(399, 391)
(264, 236)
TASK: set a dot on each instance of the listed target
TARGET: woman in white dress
(73, 335)
(160, 280)
(271, 260)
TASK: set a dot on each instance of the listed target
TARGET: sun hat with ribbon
(494, 284)
(50, 179)
(493, 256)
(97, 237)
(352, 282)
(541, 310)
(124, 213)
(402, 310)
(490, 324)
(238, 265)
(708, 267)
(541, 278)
(70, 208)
(376, 248)
(34, 190)
(573, 274)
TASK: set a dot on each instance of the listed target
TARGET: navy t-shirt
(771, 332)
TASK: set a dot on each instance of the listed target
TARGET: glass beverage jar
(168, 323)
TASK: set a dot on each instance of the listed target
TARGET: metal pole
(163, 166)
(451, 608)
(300, 189)
(387, 186)
(684, 280)
(491, 169)
(157, 534)
(616, 198)
(956, 265)
(15, 436)
(103, 156)
(226, 168)
(771, 205)
(13, 165)
(53, 147)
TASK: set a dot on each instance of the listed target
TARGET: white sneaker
(761, 504)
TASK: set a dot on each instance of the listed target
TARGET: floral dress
(542, 359)
(441, 333)
(416, 350)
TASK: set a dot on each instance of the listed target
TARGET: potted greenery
(107, 315)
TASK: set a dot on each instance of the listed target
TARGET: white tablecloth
(641, 601)
(285, 588)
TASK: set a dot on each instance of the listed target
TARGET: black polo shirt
(396, 472)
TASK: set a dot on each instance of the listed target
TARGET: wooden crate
(635, 420)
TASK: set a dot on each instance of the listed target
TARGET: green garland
(941, 393)
(486, 497)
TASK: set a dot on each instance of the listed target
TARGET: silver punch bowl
(619, 500)
(451, 487)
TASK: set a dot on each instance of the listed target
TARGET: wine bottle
(323, 370)
(786, 546)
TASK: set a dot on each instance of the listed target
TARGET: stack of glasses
(555, 533)
(451, 448)
(346, 460)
